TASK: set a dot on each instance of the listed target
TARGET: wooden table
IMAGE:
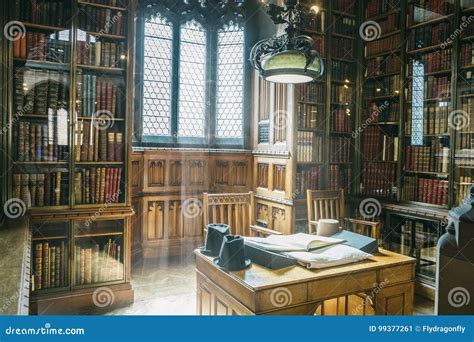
(380, 285)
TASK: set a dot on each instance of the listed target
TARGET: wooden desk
(381, 285)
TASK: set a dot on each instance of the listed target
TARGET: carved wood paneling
(279, 219)
(240, 173)
(175, 220)
(155, 220)
(279, 177)
(222, 172)
(197, 172)
(262, 214)
(176, 172)
(156, 172)
(262, 175)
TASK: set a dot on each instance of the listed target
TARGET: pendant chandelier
(288, 58)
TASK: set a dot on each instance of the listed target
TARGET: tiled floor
(168, 287)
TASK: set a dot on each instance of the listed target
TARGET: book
(289, 243)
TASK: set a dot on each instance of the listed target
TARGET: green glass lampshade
(289, 67)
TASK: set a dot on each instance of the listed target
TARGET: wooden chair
(236, 210)
(329, 204)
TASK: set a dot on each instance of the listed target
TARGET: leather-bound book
(103, 145)
(78, 141)
(102, 185)
(52, 261)
(40, 178)
(93, 186)
(57, 272)
(78, 187)
(97, 185)
(57, 189)
(118, 147)
(111, 147)
(95, 263)
(83, 267)
(38, 265)
(45, 279)
(47, 190)
(87, 187)
(78, 265)
(25, 190)
(85, 140)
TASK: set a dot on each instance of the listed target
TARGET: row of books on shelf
(309, 147)
(425, 36)
(341, 70)
(383, 112)
(53, 13)
(344, 25)
(98, 185)
(435, 120)
(94, 144)
(39, 91)
(465, 140)
(426, 190)
(98, 262)
(466, 85)
(39, 46)
(389, 43)
(376, 7)
(309, 115)
(41, 189)
(378, 179)
(379, 146)
(309, 178)
(339, 177)
(385, 86)
(462, 188)
(312, 92)
(467, 54)
(464, 158)
(434, 158)
(106, 54)
(39, 142)
(340, 121)
(101, 20)
(342, 48)
(382, 65)
(98, 96)
(50, 265)
(390, 23)
(433, 61)
(340, 149)
(424, 10)
(346, 6)
(341, 94)
(433, 88)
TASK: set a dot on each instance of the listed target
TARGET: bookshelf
(70, 119)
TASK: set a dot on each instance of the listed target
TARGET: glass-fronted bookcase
(69, 109)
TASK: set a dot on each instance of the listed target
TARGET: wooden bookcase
(70, 115)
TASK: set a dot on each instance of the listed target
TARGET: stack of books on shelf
(434, 88)
(93, 144)
(340, 121)
(435, 120)
(41, 47)
(312, 92)
(339, 178)
(434, 61)
(341, 94)
(465, 158)
(467, 54)
(308, 115)
(102, 20)
(467, 86)
(427, 190)
(308, 178)
(342, 48)
(376, 7)
(341, 70)
(434, 158)
(309, 147)
(425, 10)
(95, 93)
(462, 188)
(39, 142)
(340, 150)
(52, 13)
(50, 265)
(40, 92)
(429, 35)
(97, 263)
(390, 24)
(344, 25)
(106, 54)
(383, 45)
(382, 65)
(379, 146)
(378, 179)
(41, 189)
(98, 185)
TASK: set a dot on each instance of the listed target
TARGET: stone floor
(168, 287)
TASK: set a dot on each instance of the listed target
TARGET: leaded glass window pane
(230, 81)
(157, 76)
(192, 80)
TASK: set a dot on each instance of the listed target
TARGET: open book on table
(292, 243)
